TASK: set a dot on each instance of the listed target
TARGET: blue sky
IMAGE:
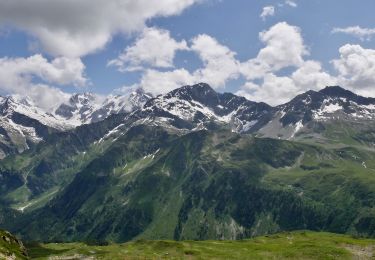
(224, 31)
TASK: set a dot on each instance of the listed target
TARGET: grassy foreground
(293, 245)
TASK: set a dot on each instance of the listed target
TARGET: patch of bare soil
(361, 252)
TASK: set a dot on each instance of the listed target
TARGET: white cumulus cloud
(30, 76)
(74, 28)
(284, 46)
(154, 47)
(311, 76)
(356, 68)
(277, 53)
(220, 64)
(274, 90)
(275, 56)
(158, 82)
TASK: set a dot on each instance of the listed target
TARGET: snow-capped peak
(25, 106)
(88, 108)
(199, 104)
(329, 104)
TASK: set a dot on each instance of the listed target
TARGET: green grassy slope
(294, 245)
(339, 133)
(11, 247)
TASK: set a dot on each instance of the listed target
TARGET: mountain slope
(30, 179)
(200, 162)
(208, 185)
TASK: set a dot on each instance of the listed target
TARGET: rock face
(11, 248)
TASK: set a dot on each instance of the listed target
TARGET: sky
(266, 50)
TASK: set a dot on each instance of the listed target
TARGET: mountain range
(23, 124)
(190, 164)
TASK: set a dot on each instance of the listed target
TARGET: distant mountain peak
(198, 106)
(87, 107)
(199, 87)
(337, 91)
(201, 92)
(311, 108)
(86, 98)
(17, 103)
